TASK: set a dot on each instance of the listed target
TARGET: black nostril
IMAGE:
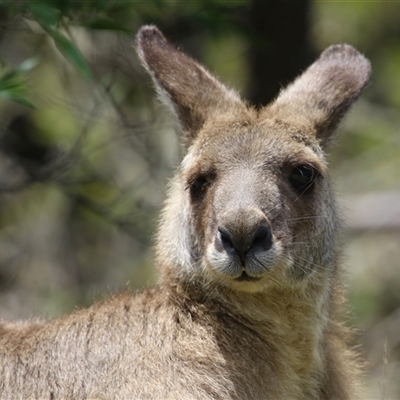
(262, 238)
(226, 240)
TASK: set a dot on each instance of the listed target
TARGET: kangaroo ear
(325, 91)
(187, 88)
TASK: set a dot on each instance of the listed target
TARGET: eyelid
(319, 170)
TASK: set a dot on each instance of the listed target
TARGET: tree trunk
(280, 46)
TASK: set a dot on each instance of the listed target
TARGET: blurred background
(86, 150)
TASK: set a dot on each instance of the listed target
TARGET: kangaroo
(249, 296)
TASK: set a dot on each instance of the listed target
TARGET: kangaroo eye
(303, 178)
(198, 186)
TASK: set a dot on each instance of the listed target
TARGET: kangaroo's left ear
(185, 86)
(324, 92)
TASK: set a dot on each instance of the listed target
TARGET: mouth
(246, 278)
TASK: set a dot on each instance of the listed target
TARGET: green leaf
(48, 19)
(9, 80)
(15, 97)
(13, 79)
(44, 14)
(13, 83)
(70, 52)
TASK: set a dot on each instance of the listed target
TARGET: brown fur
(249, 297)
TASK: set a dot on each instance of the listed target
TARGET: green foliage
(13, 83)
(70, 52)
(49, 14)
(56, 16)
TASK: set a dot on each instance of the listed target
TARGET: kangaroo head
(251, 205)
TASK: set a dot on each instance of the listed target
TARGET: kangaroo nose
(240, 243)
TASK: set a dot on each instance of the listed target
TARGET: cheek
(204, 218)
(302, 228)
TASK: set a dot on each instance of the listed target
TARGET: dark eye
(198, 186)
(302, 178)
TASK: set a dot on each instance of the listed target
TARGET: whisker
(306, 233)
(308, 217)
(305, 244)
(312, 263)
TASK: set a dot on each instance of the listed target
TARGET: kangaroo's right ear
(186, 87)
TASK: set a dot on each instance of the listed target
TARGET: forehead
(266, 143)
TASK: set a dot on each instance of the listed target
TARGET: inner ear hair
(190, 91)
(319, 98)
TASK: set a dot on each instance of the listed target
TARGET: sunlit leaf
(27, 65)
